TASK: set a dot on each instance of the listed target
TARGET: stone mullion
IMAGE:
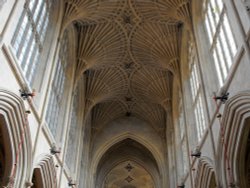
(21, 44)
(234, 15)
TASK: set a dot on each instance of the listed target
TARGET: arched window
(28, 39)
(196, 93)
(58, 90)
(222, 43)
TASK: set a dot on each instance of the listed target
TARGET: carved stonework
(131, 49)
(129, 179)
(129, 167)
(128, 18)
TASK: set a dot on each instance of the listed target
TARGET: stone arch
(123, 137)
(127, 135)
(123, 151)
(16, 140)
(127, 177)
(235, 134)
(205, 174)
(44, 173)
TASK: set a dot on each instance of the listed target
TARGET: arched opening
(244, 156)
(5, 153)
(127, 164)
(37, 179)
(44, 175)
(205, 175)
(212, 183)
(234, 155)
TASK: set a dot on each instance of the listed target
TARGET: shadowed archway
(5, 153)
(234, 157)
(126, 164)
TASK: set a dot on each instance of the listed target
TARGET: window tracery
(222, 42)
(58, 87)
(28, 39)
(196, 94)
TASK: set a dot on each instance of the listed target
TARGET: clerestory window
(28, 38)
(196, 94)
(57, 93)
(222, 42)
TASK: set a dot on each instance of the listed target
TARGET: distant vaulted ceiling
(125, 164)
(128, 52)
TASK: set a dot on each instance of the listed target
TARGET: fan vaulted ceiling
(128, 51)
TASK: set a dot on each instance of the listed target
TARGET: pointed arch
(127, 150)
(44, 173)
(122, 137)
(16, 140)
(205, 175)
(235, 134)
(159, 158)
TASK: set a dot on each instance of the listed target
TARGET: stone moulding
(45, 172)
(16, 126)
(233, 131)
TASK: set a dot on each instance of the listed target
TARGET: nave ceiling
(128, 51)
